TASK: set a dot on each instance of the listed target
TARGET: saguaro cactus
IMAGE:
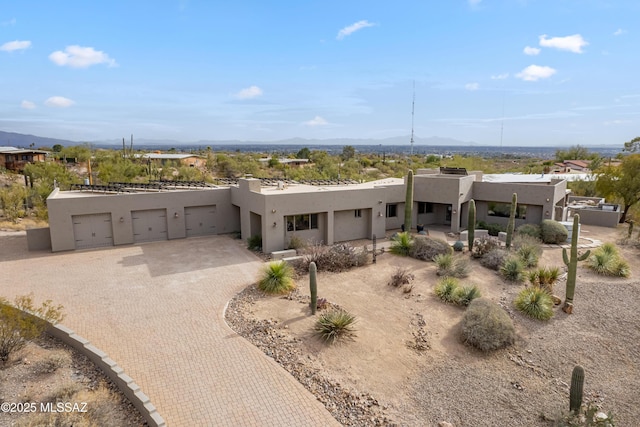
(572, 263)
(512, 220)
(577, 385)
(471, 226)
(408, 202)
(313, 286)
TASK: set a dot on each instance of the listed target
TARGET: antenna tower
(413, 107)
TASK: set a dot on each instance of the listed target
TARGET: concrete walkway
(157, 310)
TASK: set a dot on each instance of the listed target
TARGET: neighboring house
(296, 163)
(571, 166)
(191, 160)
(322, 213)
(15, 159)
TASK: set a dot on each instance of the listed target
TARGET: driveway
(157, 310)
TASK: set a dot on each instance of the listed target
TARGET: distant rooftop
(14, 150)
(534, 178)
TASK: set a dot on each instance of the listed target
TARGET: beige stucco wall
(62, 206)
(443, 190)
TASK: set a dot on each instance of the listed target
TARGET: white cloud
(59, 102)
(316, 121)
(500, 76)
(472, 86)
(573, 43)
(27, 105)
(531, 50)
(346, 31)
(15, 45)
(81, 57)
(619, 32)
(11, 21)
(535, 72)
(249, 92)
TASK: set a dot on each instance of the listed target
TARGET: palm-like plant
(401, 244)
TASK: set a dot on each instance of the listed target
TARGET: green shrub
(446, 289)
(458, 246)
(448, 265)
(607, 261)
(544, 278)
(336, 258)
(553, 232)
(402, 276)
(535, 302)
(277, 278)
(486, 326)
(295, 242)
(401, 244)
(531, 230)
(493, 228)
(23, 321)
(425, 248)
(494, 258)
(465, 294)
(484, 245)
(335, 324)
(528, 248)
(444, 262)
(512, 269)
(528, 255)
(254, 243)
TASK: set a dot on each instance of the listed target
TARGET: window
(503, 210)
(302, 222)
(392, 211)
(358, 213)
(425, 208)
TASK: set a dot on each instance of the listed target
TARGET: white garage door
(92, 231)
(200, 220)
(149, 225)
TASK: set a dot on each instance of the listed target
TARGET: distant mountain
(11, 139)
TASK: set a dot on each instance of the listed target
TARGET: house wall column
(330, 225)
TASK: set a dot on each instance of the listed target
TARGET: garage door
(92, 231)
(200, 220)
(149, 225)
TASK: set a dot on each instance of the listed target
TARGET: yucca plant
(444, 262)
(602, 262)
(535, 302)
(446, 289)
(621, 268)
(276, 278)
(608, 248)
(401, 244)
(512, 269)
(335, 324)
(465, 294)
(544, 278)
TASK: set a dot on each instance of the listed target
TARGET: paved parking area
(157, 310)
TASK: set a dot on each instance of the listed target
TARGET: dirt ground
(524, 385)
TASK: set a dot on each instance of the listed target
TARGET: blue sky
(545, 72)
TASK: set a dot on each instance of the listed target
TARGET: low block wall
(39, 239)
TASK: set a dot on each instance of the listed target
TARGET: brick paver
(157, 310)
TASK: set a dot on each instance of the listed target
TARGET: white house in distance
(122, 215)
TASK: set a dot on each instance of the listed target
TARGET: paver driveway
(157, 310)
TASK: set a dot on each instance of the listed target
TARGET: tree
(633, 145)
(57, 148)
(622, 182)
(12, 201)
(304, 153)
(348, 152)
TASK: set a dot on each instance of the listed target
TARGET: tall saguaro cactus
(512, 220)
(313, 286)
(572, 263)
(577, 385)
(471, 226)
(408, 202)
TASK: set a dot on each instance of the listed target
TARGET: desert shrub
(53, 361)
(296, 243)
(483, 246)
(425, 248)
(531, 230)
(276, 278)
(458, 246)
(486, 326)
(23, 321)
(335, 324)
(553, 232)
(607, 261)
(401, 276)
(446, 288)
(512, 269)
(254, 243)
(528, 255)
(465, 294)
(494, 258)
(401, 244)
(336, 258)
(544, 278)
(529, 249)
(589, 415)
(535, 302)
(63, 392)
(448, 265)
(492, 228)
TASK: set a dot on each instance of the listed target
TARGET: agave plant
(446, 289)
(335, 324)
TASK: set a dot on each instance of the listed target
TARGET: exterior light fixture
(273, 211)
(275, 224)
(121, 219)
(176, 215)
(454, 211)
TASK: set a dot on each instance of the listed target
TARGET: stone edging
(111, 369)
